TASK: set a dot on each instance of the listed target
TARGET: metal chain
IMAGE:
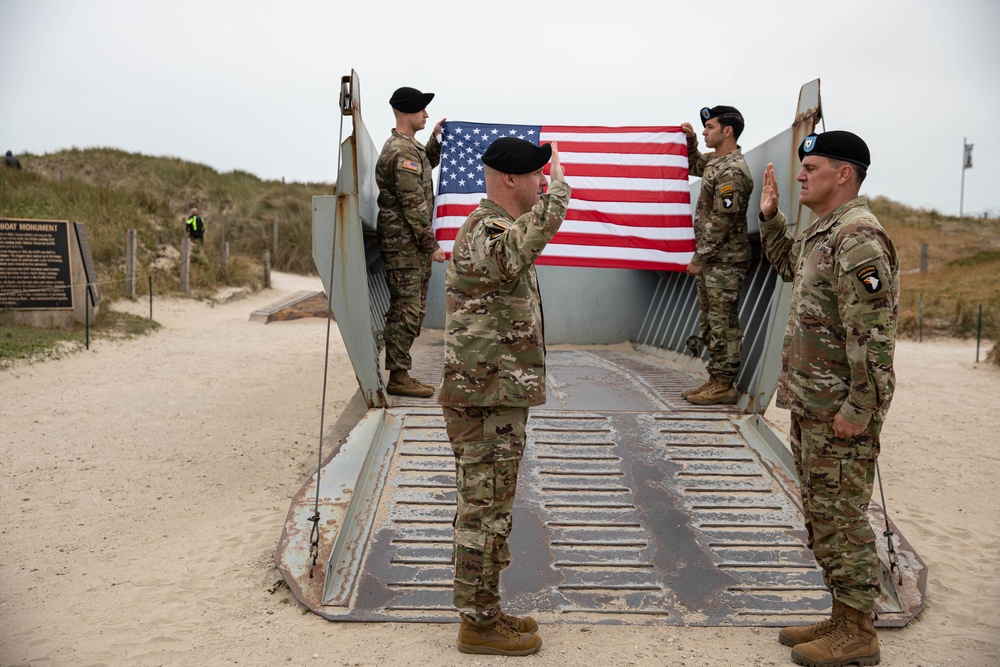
(893, 562)
(314, 519)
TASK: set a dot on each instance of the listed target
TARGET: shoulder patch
(498, 222)
(410, 165)
(860, 254)
(495, 227)
(726, 189)
(870, 279)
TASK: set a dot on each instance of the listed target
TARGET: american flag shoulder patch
(410, 165)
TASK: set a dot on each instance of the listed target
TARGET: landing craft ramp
(633, 505)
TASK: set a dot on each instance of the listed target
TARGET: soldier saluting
(494, 370)
(405, 237)
(837, 379)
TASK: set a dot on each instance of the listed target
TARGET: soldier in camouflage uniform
(405, 237)
(837, 379)
(494, 370)
(722, 250)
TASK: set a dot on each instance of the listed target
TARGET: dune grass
(113, 191)
(963, 271)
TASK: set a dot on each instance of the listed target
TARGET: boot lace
(505, 627)
(513, 621)
(841, 634)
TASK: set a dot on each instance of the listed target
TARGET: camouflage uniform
(837, 358)
(405, 238)
(722, 249)
(494, 370)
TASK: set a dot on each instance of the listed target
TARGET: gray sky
(253, 85)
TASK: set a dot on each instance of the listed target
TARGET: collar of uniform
(736, 152)
(834, 216)
(412, 140)
(493, 206)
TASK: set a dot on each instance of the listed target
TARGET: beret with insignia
(708, 114)
(838, 145)
(516, 156)
(410, 100)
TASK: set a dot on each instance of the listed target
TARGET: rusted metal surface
(339, 225)
(645, 510)
(634, 506)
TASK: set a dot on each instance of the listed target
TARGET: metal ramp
(633, 507)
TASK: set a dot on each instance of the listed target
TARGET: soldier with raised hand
(837, 379)
(405, 237)
(722, 249)
(494, 370)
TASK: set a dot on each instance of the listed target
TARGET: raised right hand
(769, 193)
(556, 173)
(688, 130)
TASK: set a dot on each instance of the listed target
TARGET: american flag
(631, 203)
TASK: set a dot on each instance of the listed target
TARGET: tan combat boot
(401, 384)
(717, 393)
(422, 384)
(521, 623)
(697, 390)
(852, 642)
(801, 634)
(501, 638)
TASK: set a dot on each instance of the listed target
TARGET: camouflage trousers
(488, 443)
(407, 307)
(836, 478)
(719, 317)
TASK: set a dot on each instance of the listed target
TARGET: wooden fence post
(267, 269)
(131, 244)
(185, 264)
(224, 250)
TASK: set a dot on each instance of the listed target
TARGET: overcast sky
(253, 85)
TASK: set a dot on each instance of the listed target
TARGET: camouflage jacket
(720, 219)
(841, 333)
(494, 347)
(406, 200)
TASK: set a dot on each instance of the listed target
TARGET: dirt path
(143, 485)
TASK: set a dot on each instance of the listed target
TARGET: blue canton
(462, 147)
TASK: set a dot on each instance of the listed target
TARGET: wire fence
(90, 294)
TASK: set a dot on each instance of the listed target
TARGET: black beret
(839, 145)
(516, 156)
(410, 100)
(708, 114)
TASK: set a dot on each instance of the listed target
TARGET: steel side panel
(349, 290)
(338, 482)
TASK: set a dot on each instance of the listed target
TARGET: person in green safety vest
(195, 226)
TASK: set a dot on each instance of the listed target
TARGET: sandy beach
(144, 483)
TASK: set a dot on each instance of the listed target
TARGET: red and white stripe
(631, 204)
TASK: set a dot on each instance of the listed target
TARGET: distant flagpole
(966, 164)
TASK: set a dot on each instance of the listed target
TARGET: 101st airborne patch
(727, 196)
(869, 277)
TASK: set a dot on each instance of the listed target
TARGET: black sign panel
(88, 262)
(35, 264)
